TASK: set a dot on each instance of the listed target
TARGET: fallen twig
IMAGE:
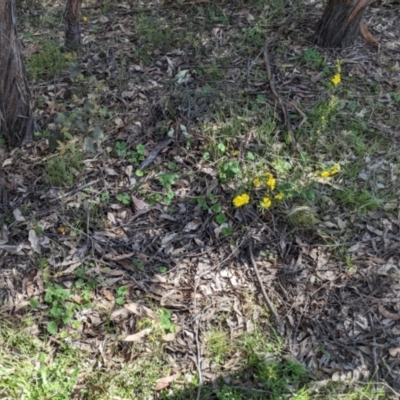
(267, 299)
(196, 335)
(293, 143)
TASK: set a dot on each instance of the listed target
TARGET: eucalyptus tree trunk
(16, 118)
(72, 29)
(340, 23)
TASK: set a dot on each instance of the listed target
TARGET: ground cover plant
(210, 210)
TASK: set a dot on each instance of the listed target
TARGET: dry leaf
(119, 313)
(140, 310)
(139, 204)
(117, 257)
(34, 241)
(137, 337)
(395, 352)
(112, 272)
(18, 215)
(388, 314)
(107, 293)
(164, 382)
(169, 337)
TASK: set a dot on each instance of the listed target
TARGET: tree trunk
(72, 28)
(16, 119)
(340, 23)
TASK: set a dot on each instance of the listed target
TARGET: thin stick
(267, 299)
(293, 143)
(196, 334)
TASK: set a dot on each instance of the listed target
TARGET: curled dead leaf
(395, 352)
(137, 337)
(169, 337)
(387, 314)
(164, 382)
(140, 310)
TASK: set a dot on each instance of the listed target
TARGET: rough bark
(16, 119)
(3, 194)
(340, 23)
(72, 29)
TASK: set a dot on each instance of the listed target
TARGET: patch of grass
(46, 63)
(218, 345)
(358, 201)
(155, 33)
(29, 371)
(61, 170)
(135, 380)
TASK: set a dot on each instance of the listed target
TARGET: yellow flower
(325, 174)
(279, 196)
(266, 202)
(84, 18)
(271, 181)
(335, 169)
(330, 172)
(257, 182)
(336, 79)
(241, 200)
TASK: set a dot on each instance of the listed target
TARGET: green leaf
(260, 99)
(34, 303)
(120, 301)
(226, 231)
(250, 156)
(140, 149)
(52, 327)
(216, 208)
(220, 218)
(124, 198)
(221, 147)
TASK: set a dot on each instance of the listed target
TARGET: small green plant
(254, 36)
(61, 170)
(122, 148)
(165, 320)
(138, 264)
(154, 33)
(395, 97)
(105, 197)
(61, 311)
(214, 17)
(122, 292)
(167, 180)
(218, 345)
(46, 63)
(229, 170)
(38, 229)
(124, 198)
(313, 57)
(137, 156)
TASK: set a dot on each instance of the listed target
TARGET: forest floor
(126, 269)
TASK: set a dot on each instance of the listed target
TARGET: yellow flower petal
(257, 182)
(279, 196)
(336, 79)
(270, 180)
(325, 174)
(266, 202)
(241, 200)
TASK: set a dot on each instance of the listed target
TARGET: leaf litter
(341, 321)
